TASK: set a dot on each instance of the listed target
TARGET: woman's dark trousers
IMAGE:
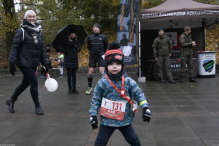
(29, 78)
(71, 78)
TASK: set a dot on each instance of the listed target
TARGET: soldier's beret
(159, 29)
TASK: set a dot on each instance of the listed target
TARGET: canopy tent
(178, 13)
(175, 15)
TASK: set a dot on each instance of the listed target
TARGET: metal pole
(205, 38)
(139, 47)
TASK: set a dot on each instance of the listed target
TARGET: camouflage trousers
(164, 60)
(186, 59)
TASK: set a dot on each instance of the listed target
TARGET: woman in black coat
(71, 47)
(27, 51)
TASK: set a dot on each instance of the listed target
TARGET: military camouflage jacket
(162, 46)
(186, 44)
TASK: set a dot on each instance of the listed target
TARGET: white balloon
(51, 85)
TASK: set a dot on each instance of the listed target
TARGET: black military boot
(75, 91)
(191, 79)
(39, 110)
(10, 103)
(162, 80)
(181, 79)
(172, 81)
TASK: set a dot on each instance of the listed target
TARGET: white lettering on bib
(113, 109)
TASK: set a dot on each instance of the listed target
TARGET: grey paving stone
(189, 142)
(190, 108)
(203, 97)
(208, 102)
(15, 121)
(204, 120)
(1, 139)
(211, 142)
(207, 132)
(23, 141)
(47, 121)
(175, 94)
(34, 132)
(72, 133)
(174, 132)
(156, 102)
(162, 108)
(168, 121)
(181, 98)
(159, 98)
(64, 142)
(6, 131)
(76, 122)
(212, 108)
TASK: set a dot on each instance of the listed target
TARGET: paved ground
(182, 115)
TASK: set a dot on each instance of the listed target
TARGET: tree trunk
(9, 13)
(9, 41)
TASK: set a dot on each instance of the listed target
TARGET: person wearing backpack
(26, 52)
(162, 49)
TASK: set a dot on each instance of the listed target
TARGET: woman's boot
(39, 110)
(10, 103)
(75, 91)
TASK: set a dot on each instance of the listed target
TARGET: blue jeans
(128, 132)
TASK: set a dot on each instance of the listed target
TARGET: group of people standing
(162, 49)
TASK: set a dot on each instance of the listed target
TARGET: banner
(126, 30)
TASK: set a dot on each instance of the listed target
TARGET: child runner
(60, 61)
(112, 95)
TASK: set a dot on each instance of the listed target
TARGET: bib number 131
(113, 109)
(117, 106)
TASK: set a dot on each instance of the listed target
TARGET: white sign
(206, 63)
(173, 37)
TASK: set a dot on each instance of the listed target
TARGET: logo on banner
(208, 65)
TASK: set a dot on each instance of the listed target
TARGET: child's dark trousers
(128, 132)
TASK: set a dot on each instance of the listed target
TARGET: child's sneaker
(60, 76)
(89, 90)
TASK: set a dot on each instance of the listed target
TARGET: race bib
(113, 109)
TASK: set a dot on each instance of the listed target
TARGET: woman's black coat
(70, 49)
(25, 53)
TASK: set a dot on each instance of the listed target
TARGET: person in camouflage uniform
(186, 53)
(162, 48)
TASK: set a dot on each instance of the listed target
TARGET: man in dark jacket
(97, 46)
(162, 48)
(186, 53)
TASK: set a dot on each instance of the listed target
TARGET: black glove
(46, 68)
(146, 114)
(12, 69)
(94, 122)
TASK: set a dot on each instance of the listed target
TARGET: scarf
(33, 29)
